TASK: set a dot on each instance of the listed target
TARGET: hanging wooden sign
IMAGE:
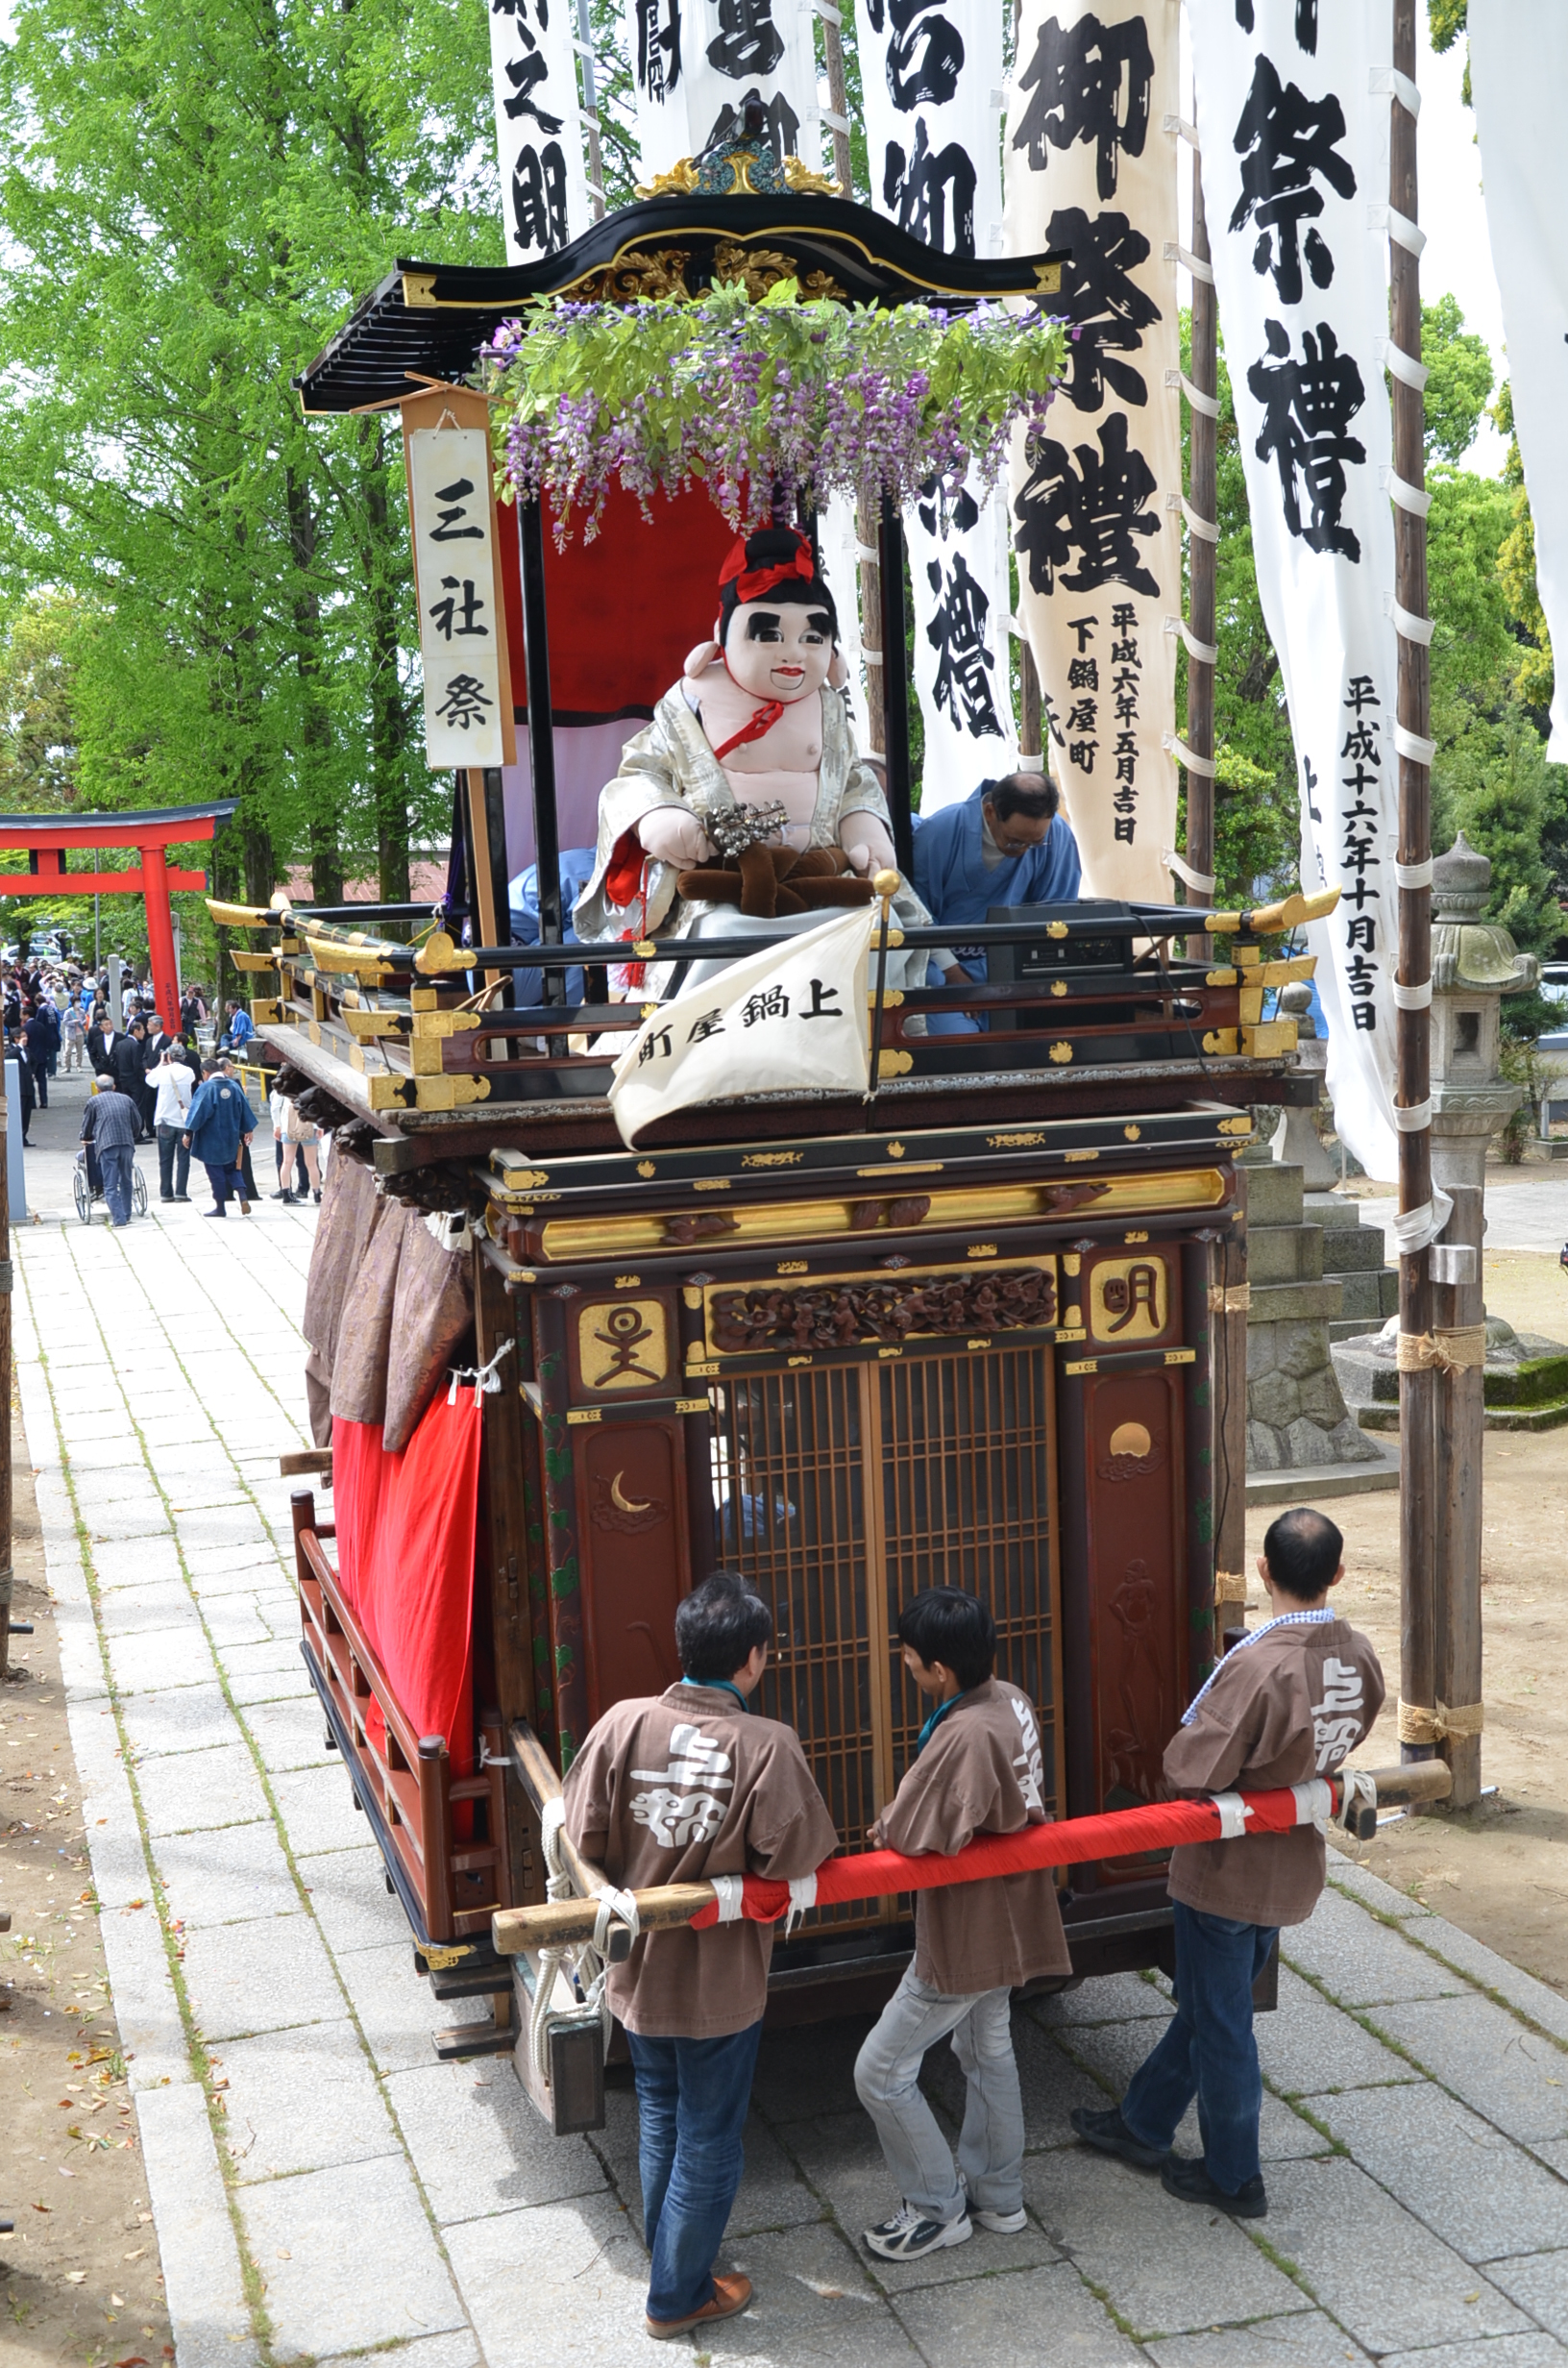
(462, 620)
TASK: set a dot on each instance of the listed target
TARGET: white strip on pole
(1294, 121)
(533, 70)
(1518, 62)
(1091, 167)
(932, 78)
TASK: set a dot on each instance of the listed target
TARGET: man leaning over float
(745, 803)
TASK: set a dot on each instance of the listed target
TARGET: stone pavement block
(134, 1611)
(229, 1525)
(136, 1563)
(810, 2070)
(127, 1491)
(1540, 2284)
(230, 1570)
(1504, 2352)
(349, 2258)
(1346, 1875)
(316, 1805)
(1046, 2315)
(1309, 2046)
(211, 2321)
(397, 2009)
(112, 1524)
(1140, 2247)
(349, 1899)
(563, 2286)
(234, 1620)
(151, 2032)
(269, 1975)
(185, 1718)
(1520, 1990)
(812, 2306)
(1051, 2084)
(1309, 2340)
(161, 1657)
(82, 1670)
(1480, 2194)
(195, 1790)
(479, 2146)
(1115, 2052)
(1516, 2078)
(264, 1673)
(227, 1876)
(302, 2100)
(841, 2156)
(771, 2194)
(1109, 1998)
(291, 1734)
(1370, 2263)
(1361, 1961)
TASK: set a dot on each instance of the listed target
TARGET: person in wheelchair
(110, 1125)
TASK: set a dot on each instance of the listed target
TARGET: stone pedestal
(1301, 1439)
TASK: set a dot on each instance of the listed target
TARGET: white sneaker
(1000, 2223)
(908, 2236)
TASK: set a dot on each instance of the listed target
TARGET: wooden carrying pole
(1418, 1391)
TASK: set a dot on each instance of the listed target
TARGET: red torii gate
(48, 838)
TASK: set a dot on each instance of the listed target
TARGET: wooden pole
(1460, 1433)
(1032, 754)
(895, 683)
(1202, 494)
(1230, 1419)
(1418, 1392)
(7, 1576)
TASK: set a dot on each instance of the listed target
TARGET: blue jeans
(114, 1166)
(691, 2100)
(1208, 2051)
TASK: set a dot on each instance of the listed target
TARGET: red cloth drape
(405, 1529)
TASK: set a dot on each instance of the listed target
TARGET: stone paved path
(322, 2187)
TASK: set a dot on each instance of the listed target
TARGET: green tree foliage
(192, 197)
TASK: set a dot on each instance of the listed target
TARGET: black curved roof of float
(428, 320)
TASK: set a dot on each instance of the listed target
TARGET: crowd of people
(151, 1083)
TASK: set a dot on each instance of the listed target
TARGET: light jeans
(989, 2168)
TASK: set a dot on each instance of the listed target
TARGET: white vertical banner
(533, 73)
(458, 588)
(696, 63)
(1518, 65)
(931, 77)
(1293, 119)
(838, 545)
(1097, 518)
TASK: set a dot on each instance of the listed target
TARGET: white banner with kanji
(794, 1017)
(932, 84)
(696, 63)
(1293, 110)
(1091, 167)
(1518, 65)
(533, 73)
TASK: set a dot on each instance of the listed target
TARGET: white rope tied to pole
(1415, 1229)
(1413, 998)
(1400, 228)
(1207, 653)
(1201, 883)
(1204, 529)
(1415, 1119)
(1402, 366)
(1406, 624)
(1182, 128)
(1410, 743)
(1400, 490)
(1386, 81)
(1207, 405)
(1206, 766)
(1176, 253)
(1413, 874)
(486, 1378)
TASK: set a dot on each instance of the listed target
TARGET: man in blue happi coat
(1006, 844)
(576, 866)
(219, 1121)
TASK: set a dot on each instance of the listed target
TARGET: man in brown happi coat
(1290, 1703)
(684, 1788)
(977, 1769)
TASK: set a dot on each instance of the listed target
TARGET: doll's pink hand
(672, 835)
(867, 844)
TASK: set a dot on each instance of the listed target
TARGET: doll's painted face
(779, 651)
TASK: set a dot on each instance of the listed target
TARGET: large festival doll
(747, 793)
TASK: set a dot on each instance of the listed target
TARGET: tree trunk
(388, 717)
(316, 729)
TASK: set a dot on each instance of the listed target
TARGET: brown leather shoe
(729, 2295)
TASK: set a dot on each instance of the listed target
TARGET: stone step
(1274, 1195)
(1295, 1303)
(1355, 1250)
(1370, 1296)
(1285, 1254)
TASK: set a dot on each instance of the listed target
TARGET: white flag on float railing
(1293, 110)
(792, 1016)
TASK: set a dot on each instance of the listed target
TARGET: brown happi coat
(1289, 1707)
(673, 1790)
(981, 1772)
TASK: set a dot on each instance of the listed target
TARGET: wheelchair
(87, 1185)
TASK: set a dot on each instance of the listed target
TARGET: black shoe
(1187, 2176)
(182, 1196)
(215, 1212)
(165, 1196)
(1109, 2134)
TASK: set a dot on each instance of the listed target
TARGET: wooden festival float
(965, 1331)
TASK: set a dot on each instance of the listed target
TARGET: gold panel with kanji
(1129, 1300)
(624, 1347)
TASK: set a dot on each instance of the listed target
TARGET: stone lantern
(1474, 964)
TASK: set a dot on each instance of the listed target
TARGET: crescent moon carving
(625, 1504)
